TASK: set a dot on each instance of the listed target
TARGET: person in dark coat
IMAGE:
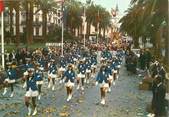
(159, 97)
(142, 60)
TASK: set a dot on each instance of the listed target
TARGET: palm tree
(74, 12)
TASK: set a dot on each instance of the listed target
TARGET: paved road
(125, 100)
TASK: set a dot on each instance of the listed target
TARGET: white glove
(96, 83)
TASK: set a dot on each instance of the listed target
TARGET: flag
(2, 33)
(1, 6)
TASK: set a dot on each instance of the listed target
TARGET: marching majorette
(11, 78)
(88, 69)
(114, 70)
(102, 79)
(26, 67)
(52, 74)
(81, 74)
(108, 70)
(39, 80)
(31, 92)
(62, 68)
(94, 64)
(69, 76)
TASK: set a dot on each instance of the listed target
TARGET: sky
(108, 4)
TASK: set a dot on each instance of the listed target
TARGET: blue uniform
(31, 84)
(52, 69)
(102, 76)
(12, 74)
(70, 75)
(108, 70)
(82, 68)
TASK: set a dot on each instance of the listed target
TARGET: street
(125, 100)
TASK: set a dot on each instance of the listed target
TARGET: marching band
(76, 68)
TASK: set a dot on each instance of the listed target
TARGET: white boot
(68, 98)
(34, 112)
(12, 94)
(53, 88)
(24, 85)
(29, 111)
(39, 96)
(114, 83)
(78, 87)
(5, 91)
(82, 88)
(103, 101)
(87, 81)
(49, 85)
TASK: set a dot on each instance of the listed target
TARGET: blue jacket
(38, 77)
(102, 76)
(108, 70)
(31, 83)
(94, 60)
(63, 63)
(12, 74)
(82, 68)
(52, 69)
(70, 75)
(88, 64)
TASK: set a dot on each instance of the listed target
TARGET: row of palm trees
(73, 12)
(148, 19)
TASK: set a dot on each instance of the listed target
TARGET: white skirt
(94, 66)
(104, 85)
(115, 71)
(119, 66)
(69, 84)
(25, 73)
(10, 81)
(80, 75)
(110, 77)
(39, 82)
(52, 75)
(88, 71)
(31, 93)
(61, 69)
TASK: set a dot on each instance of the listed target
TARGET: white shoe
(24, 85)
(29, 111)
(82, 88)
(49, 85)
(109, 90)
(78, 87)
(117, 77)
(12, 94)
(39, 96)
(53, 88)
(68, 98)
(34, 112)
(5, 91)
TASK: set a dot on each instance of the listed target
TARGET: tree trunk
(29, 22)
(135, 42)
(44, 32)
(104, 33)
(17, 25)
